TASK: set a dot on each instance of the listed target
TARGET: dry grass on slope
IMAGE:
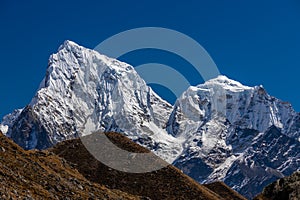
(166, 183)
(44, 175)
(224, 191)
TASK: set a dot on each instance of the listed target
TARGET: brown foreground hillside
(166, 183)
(224, 191)
(287, 188)
(44, 175)
(68, 171)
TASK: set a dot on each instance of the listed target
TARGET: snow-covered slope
(225, 99)
(225, 127)
(219, 130)
(84, 91)
(9, 120)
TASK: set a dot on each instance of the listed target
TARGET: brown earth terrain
(224, 191)
(69, 171)
(166, 183)
(44, 175)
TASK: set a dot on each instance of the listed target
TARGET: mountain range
(220, 130)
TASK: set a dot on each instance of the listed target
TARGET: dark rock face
(287, 188)
(270, 157)
(262, 159)
(195, 168)
(28, 132)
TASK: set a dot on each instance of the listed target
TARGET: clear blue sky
(254, 42)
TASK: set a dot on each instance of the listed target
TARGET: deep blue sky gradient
(255, 42)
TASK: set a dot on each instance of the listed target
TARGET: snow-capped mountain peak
(243, 106)
(225, 83)
(84, 91)
(222, 121)
(69, 44)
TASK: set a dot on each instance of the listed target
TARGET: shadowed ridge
(43, 175)
(166, 183)
(224, 191)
